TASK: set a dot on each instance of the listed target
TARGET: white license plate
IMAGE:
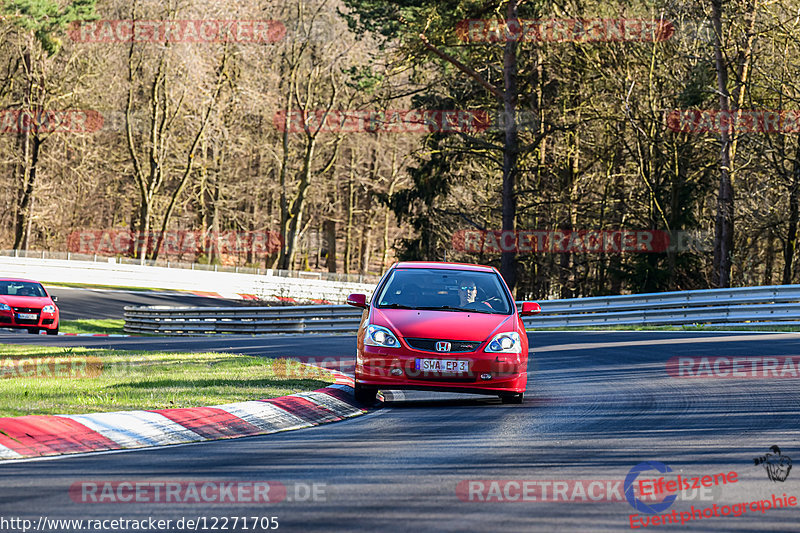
(26, 316)
(442, 365)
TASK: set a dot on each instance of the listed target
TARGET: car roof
(19, 279)
(442, 266)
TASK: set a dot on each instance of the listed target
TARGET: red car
(442, 326)
(25, 304)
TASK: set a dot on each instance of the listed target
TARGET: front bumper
(11, 319)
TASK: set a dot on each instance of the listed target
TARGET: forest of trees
(341, 135)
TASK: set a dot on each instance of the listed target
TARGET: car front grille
(27, 310)
(429, 345)
(444, 378)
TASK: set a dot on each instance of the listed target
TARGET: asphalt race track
(77, 304)
(597, 405)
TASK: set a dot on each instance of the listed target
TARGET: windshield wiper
(396, 306)
(450, 308)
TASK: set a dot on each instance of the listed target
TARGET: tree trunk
(348, 234)
(508, 259)
(143, 237)
(298, 206)
(723, 234)
(27, 170)
(366, 245)
(790, 248)
(284, 169)
(215, 246)
(329, 229)
(769, 259)
(32, 143)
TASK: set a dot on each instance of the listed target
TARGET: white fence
(269, 285)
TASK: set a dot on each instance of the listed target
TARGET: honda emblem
(442, 346)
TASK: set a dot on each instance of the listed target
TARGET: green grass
(109, 326)
(109, 380)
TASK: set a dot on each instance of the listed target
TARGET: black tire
(33, 331)
(52, 331)
(366, 394)
(512, 398)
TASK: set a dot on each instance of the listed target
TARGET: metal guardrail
(751, 306)
(161, 320)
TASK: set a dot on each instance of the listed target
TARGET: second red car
(25, 304)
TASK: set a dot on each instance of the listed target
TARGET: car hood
(453, 325)
(26, 301)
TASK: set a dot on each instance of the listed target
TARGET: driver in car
(468, 294)
(25, 291)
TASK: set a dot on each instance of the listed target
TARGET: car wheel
(512, 398)
(33, 331)
(52, 331)
(365, 394)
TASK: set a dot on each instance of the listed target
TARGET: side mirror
(357, 300)
(530, 308)
(54, 298)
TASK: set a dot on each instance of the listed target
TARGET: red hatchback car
(25, 304)
(442, 326)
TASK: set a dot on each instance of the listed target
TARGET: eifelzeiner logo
(630, 483)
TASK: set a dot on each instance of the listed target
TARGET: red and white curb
(38, 436)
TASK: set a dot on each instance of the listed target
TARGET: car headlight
(49, 309)
(380, 336)
(505, 343)
(4, 307)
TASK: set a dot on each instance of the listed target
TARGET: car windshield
(21, 288)
(445, 290)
